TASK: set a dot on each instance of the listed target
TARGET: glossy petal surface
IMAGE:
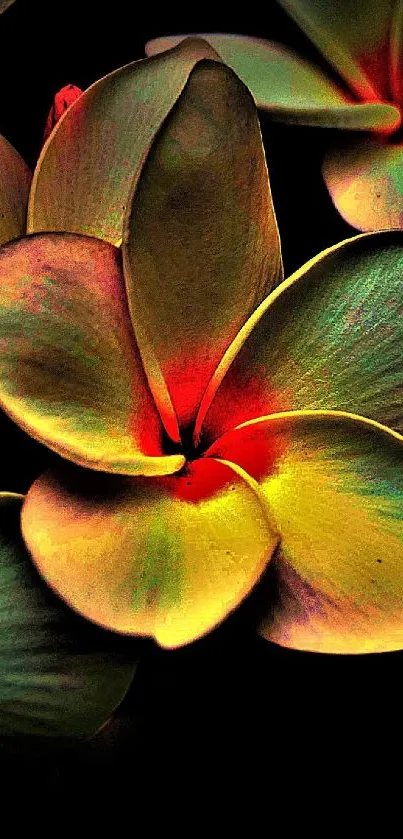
(166, 557)
(70, 371)
(290, 88)
(15, 180)
(59, 678)
(354, 36)
(329, 338)
(365, 181)
(202, 246)
(86, 171)
(336, 497)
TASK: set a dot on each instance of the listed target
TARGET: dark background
(230, 707)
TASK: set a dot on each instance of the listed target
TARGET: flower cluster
(207, 417)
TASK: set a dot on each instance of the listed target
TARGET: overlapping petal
(166, 557)
(290, 88)
(329, 338)
(201, 248)
(70, 371)
(59, 678)
(396, 54)
(354, 36)
(335, 493)
(365, 181)
(15, 180)
(88, 167)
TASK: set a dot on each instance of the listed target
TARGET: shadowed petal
(202, 247)
(59, 678)
(86, 171)
(70, 372)
(15, 180)
(336, 497)
(167, 557)
(290, 88)
(365, 181)
(396, 53)
(354, 36)
(330, 337)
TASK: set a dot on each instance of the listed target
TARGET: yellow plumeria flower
(208, 417)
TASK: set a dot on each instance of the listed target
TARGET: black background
(231, 706)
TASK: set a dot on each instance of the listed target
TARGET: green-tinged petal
(201, 248)
(59, 678)
(290, 88)
(354, 36)
(335, 493)
(167, 557)
(15, 180)
(70, 371)
(87, 169)
(365, 181)
(396, 54)
(328, 338)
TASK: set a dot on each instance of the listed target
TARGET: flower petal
(354, 36)
(70, 371)
(62, 100)
(365, 181)
(166, 557)
(4, 4)
(202, 246)
(330, 337)
(86, 171)
(15, 180)
(396, 54)
(336, 497)
(59, 678)
(289, 87)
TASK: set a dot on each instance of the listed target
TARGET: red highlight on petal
(256, 448)
(63, 99)
(200, 479)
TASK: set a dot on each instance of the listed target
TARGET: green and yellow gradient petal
(87, 168)
(329, 338)
(365, 181)
(59, 678)
(290, 88)
(168, 557)
(201, 248)
(15, 181)
(354, 36)
(335, 494)
(70, 371)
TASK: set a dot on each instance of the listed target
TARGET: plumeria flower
(362, 40)
(207, 417)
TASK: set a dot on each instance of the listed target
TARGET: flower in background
(62, 100)
(208, 417)
(362, 40)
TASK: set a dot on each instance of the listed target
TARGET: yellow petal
(167, 557)
(70, 371)
(336, 497)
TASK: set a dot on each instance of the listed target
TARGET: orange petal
(290, 88)
(330, 337)
(85, 174)
(201, 248)
(168, 557)
(335, 496)
(354, 36)
(70, 372)
(365, 181)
